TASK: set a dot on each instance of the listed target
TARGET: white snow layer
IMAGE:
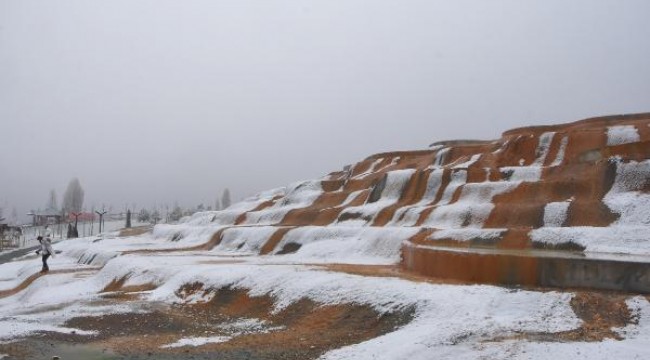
(409, 215)
(449, 320)
(626, 197)
(555, 213)
(616, 239)
(523, 173)
(467, 234)
(441, 157)
(372, 169)
(246, 239)
(543, 147)
(559, 158)
(473, 206)
(458, 179)
(464, 165)
(635, 345)
(235, 328)
(298, 195)
(622, 134)
(347, 244)
(197, 341)
(395, 183)
(628, 235)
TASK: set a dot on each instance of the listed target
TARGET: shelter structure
(46, 217)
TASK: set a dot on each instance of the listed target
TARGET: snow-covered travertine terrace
(583, 185)
(579, 189)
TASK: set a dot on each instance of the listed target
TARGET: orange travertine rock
(531, 208)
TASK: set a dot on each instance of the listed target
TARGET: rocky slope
(580, 188)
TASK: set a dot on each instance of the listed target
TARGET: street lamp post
(101, 219)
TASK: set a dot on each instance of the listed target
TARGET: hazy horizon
(160, 101)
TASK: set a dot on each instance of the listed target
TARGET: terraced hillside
(524, 209)
(394, 257)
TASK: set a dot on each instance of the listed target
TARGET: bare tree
(217, 204)
(73, 199)
(155, 217)
(75, 232)
(225, 199)
(51, 201)
(144, 215)
(176, 214)
(14, 216)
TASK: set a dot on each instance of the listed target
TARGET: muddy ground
(304, 330)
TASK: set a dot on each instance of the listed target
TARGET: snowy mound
(581, 186)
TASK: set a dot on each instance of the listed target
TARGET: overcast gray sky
(156, 101)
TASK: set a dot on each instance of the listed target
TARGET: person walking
(45, 251)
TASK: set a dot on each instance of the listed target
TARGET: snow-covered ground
(451, 321)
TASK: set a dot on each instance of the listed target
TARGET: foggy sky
(157, 101)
